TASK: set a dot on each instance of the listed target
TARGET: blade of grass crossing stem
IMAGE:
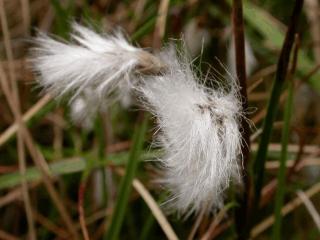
(282, 69)
(125, 187)
(282, 169)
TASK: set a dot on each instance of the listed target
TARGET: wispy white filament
(85, 108)
(198, 126)
(99, 62)
(200, 134)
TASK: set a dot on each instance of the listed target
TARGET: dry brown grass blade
(97, 215)
(196, 224)
(82, 219)
(38, 158)
(290, 163)
(161, 23)
(289, 207)
(312, 11)
(156, 211)
(254, 85)
(10, 131)
(58, 137)
(310, 207)
(14, 194)
(6, 236)
(264, 72)
(138, 13)
(218, 218)
(8, 48)
(47, 20)
(260, 115)
(46, 223)
(24, 184)
(152, 204)
(258, 96)
(16, 104)
(11, 196)
(25, 7)
(294, 148)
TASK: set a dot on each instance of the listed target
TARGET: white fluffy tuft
(89, 61)
(199, 131)
(85, 108)
(199, 127)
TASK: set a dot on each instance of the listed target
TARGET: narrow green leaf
(274, 35)
(63, 16)
(69, 166)
(32, 173)
(147, 227)
(144, 29)
(125, 186)
(79, 164)
(282, 169)
(280, 77)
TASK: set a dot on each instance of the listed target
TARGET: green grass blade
(63, 17)
(281, 73)
(274, 34)
(144, 29)
(282, 169)
(33, 174)
(258, 166)
(70, 166)
(147, 227)
(125, 187)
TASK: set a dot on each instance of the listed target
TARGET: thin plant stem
(238, 32)
(35, 110)
(286, 209)
(282, 69)
(282, 169)
(24, 185)
(125, 186)
(36, 156)
(284, 149)
(16, 100)
(25, 7)
(160, 27)
(82, 220)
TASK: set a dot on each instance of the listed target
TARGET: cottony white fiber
(99, 62)
(198, 126)
(85, 108)
(199, 131)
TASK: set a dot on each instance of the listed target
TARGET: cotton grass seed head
(101, 62)
(198, 126)
(199, 130)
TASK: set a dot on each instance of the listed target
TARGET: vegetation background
(62, 181)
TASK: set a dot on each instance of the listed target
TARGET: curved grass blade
(282, 169)
(281, 73)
